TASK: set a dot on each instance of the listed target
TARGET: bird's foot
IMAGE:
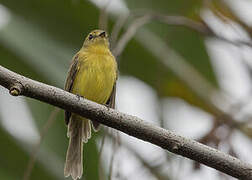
(79, 96)
(107, 106)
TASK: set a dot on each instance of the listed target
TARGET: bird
(92, 75)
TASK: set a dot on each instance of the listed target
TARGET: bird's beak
(103, 34)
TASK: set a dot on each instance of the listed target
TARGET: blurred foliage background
(187, 69)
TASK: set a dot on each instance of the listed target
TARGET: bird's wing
(70, 80)
(111, 100)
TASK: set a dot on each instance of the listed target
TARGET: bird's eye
(90, 37)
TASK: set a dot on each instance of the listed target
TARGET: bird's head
(96, 37)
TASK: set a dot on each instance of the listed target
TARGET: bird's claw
(79, 96)
(107, 106)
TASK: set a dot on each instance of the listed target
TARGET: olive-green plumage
(92, 75)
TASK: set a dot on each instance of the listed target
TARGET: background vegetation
(187, 69)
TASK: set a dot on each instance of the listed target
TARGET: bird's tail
(79, 131)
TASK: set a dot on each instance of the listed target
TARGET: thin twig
(199, 27)
(129, 34)
(131, 125)
(112, 159)
(115, 144)
(103, 17)
(99, 158)
(43, 132)
(154, 171)
(116, 30)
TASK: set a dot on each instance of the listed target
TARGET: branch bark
(131, 125)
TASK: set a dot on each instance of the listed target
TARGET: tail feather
(79, 131)
(86, 131)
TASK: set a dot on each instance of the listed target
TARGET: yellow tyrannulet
(92, 74)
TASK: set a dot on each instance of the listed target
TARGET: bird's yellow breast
(96, 75)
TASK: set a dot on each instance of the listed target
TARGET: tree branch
(131, 125)
(173, 61)
(129, 34)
